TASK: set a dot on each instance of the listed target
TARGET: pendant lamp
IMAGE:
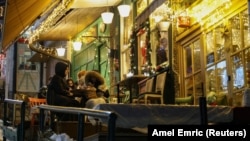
(77, 45)
(107, 17)
(60, 51)
(124, 10)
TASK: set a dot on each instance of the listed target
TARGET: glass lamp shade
(107, 17)
(124, 10)
(60, 51)
(77, 45)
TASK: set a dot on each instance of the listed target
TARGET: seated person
(93, 89)
(94, 78)
(71, 84)
(58, 91)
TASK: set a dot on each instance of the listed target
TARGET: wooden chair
(34, 111)
(149, 88)
(157, 93)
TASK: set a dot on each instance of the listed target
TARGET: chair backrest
(160, 82)
(36, 101)
(150, 84)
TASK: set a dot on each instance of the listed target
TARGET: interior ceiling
(81, 13)
(72, 23)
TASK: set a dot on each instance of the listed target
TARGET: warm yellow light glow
(158, 18)
(124, 10)
(207, 7)
(107, 17)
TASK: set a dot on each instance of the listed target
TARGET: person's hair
(81, 73)
(70, 79)
(60, 68)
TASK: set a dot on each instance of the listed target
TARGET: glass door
(192, 69)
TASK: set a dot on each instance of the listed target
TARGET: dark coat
(58, 90)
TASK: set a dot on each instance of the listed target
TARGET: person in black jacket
(58, 90)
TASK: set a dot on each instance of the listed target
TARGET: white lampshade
(60, 51)
(107, 17)
(124, 10)
(163, 25)
(77, 45)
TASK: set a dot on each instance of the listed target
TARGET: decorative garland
(146, 52)
(132, 47)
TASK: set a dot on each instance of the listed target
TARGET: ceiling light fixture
(60, 51)
(77, 45)
(107, 17)
(124, 10)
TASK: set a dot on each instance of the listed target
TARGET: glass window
(192, 70)
(197, 55)
(236, 37)
(210, 48)
(246, 28)
(211, 80)
(189, 85)
(216, 77)
(220, 35)
(222, 79)
(198, 87)
(188, 60)
(238, 71)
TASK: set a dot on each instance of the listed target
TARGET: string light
(57, 13)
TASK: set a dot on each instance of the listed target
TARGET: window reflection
(238, 71)
(188, 58)
(197, 53)
(236, 38)
(210, 48)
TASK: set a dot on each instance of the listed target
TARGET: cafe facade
(204, 46)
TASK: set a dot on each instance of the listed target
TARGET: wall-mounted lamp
(77, 45)
(60, 51)
(124, 10)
